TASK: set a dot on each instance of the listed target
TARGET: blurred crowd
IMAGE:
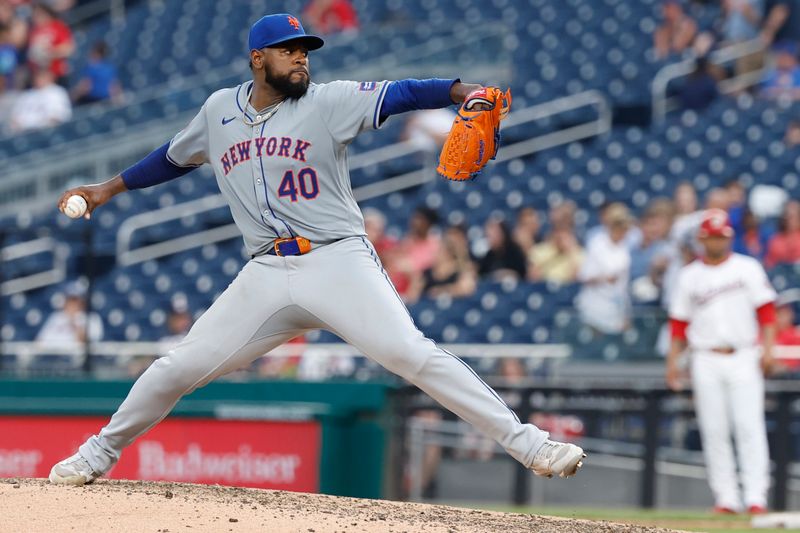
(38, 86)
(775, 24)
(627, 259)
(622, 259)
(38, 89)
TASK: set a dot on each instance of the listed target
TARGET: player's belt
(723, 350)
(290, 246)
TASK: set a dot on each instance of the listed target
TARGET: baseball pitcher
(278, 147)
(719, 305)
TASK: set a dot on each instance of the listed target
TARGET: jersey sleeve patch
(367, 86)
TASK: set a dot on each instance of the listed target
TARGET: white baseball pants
(340, 287)
(729, 398)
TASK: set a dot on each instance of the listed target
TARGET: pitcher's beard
(285, 85)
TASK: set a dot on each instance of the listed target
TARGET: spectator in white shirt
(67, 328)
(603, 302)
(632, 238)
(428, 128)
(44, 106)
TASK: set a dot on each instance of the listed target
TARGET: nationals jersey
(283, 170)
(719, 302)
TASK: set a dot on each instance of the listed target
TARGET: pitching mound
(33, 506)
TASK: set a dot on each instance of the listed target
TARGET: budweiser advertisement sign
(265, 454)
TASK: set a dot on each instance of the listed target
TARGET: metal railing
(661, 104)
(592, 128)
(127, 256)
(455, 435)
(649, 400)
(26, 351)
(55, 274)
(88, 10)
(597, 126)
(31, 189)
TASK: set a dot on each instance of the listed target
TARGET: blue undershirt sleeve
(155, 168)
(408, 95)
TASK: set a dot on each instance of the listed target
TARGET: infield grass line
(682, 519)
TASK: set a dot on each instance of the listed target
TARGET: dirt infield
(33, 506)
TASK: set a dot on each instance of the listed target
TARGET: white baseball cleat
(73, 470)
(557, 458)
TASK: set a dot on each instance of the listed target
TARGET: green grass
(686, 520)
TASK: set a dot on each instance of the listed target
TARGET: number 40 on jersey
(304, 184)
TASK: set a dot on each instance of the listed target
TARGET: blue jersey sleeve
(155, 168)
(408, 95)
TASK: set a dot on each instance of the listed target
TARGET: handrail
(561, 104)
(56, 274)
(23, 249)
(661, 104)
(385, 153)
(322, 350)
(80, 13)
(38, 183)
(158, 216)
(535, 144)
(26, 351)
(126, 256)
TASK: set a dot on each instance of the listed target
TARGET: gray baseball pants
(340, 287)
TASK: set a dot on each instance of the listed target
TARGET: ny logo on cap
(294, 22)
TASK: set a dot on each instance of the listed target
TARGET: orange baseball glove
(475, 136)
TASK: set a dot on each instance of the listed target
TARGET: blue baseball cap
(276, 29)
(786, 47)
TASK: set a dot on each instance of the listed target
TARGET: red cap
(715, 224)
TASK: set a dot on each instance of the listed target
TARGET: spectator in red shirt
(331, 16)
(416, 252)
(784, 247)
(50, 43)
(421, 245)
(375, 226)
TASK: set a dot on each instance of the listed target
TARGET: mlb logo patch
(368, 86)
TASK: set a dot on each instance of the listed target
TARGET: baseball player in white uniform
(278, 147)
(720, 303)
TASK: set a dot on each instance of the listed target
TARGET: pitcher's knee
(176, 373)
(406, 357)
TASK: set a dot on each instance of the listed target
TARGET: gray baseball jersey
(283, 170)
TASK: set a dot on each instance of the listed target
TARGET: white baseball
(76, 206)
